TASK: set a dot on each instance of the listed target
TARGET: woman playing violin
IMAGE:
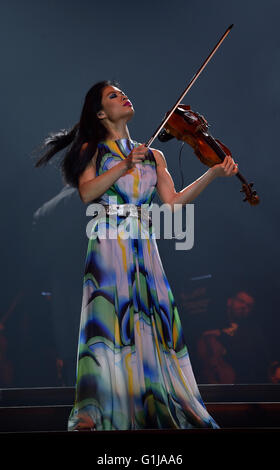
(133, 367)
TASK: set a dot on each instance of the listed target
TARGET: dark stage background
(227, 286)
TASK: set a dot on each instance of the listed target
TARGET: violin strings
(182, 175)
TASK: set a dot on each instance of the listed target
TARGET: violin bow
(149, 142)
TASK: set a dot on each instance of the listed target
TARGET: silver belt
(124, 210)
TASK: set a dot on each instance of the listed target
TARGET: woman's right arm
(92, 187)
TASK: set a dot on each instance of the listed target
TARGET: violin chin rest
(164, 136)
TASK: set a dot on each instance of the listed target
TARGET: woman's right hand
(137, 155)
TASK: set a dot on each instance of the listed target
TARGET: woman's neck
(117, 131)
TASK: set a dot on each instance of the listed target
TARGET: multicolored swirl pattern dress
(133, 366)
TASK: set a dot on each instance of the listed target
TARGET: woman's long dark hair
(89, 129)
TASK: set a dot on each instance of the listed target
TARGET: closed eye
(114, 95)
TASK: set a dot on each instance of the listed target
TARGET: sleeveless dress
(133, 367)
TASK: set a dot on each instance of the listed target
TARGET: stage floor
(254, 406)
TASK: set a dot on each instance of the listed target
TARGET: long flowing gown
(133, 367)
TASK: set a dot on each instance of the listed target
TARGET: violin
(184, 124)
(191, 127)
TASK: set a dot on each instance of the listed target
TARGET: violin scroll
(251, 196)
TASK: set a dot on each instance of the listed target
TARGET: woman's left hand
(227, 168)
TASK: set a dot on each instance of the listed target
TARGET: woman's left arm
(165, 185)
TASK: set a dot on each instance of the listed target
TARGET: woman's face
(115, 105)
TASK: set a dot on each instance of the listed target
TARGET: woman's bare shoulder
(159, 157)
